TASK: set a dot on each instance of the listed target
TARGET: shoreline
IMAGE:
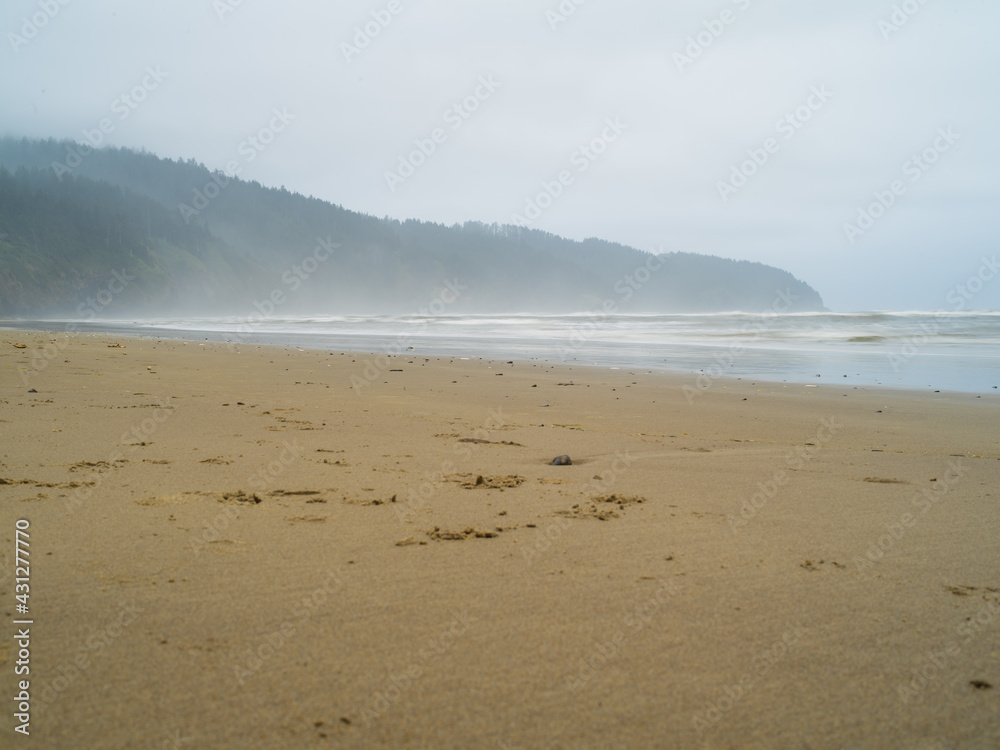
(274, 555)
(693, 376)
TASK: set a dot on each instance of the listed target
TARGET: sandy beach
(275, 548)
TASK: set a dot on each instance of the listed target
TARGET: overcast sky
(743, 128)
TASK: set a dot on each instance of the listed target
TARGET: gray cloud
(654, 187)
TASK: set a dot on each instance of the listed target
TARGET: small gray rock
(562, 461)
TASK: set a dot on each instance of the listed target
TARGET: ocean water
(957, 351)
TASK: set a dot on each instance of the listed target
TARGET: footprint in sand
(602, 507)
(485, 481)
(813, 565)
(440, 535)
(238, 497)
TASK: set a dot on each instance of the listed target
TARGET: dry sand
(235, 548)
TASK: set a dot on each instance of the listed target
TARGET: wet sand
(268, 547)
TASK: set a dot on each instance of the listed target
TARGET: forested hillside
(193, 241)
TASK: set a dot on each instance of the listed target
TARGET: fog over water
(850, 143)
(946, 350)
